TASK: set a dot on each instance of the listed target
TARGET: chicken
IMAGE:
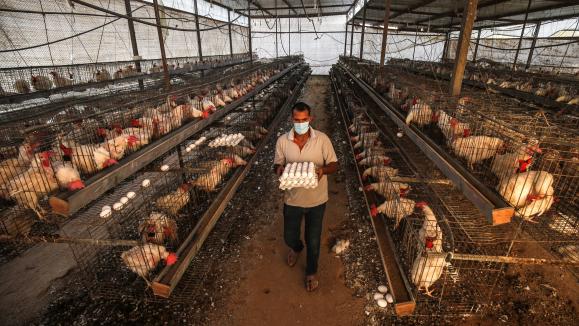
(159, 229)
(476, 148)
(217, 170)
(173, 202)
(144, 258)
(375, 160)
(142, 136)
(118, 145)
(396, 209)
(536, 207)
(41, 83)
(430, 234)
(366, 142)
(389, 190)
(22, 86)
(451, 127)
(28, 199)
(219, 103)
(102, 75)
(426, 270)
(208, 105)
(509, 163)
(520, 188)
(382, 173)
(365, 135)
(370, 151)
(12, 167)
(242, 151)
(89, 158)
(574, 101)
(154, 69)
(67, 175)
(60, 81)
(420, 114)
(118, 74)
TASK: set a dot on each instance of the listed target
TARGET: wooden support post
(352, 38)
(522, 34)
(249, 31)
(535, 35)
(468, 16)
(385, 31)
(346, 39)
(476, 45)
(363, 31)
(136, 56)
(289, 36)
(162, 45)
(230, 39)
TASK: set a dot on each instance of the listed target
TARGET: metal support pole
(522, 34)
(385, 31)
(346, 39)
(162, 45)
(199, 48)
(249, 31)
(136, 56)
(476, 46)
(468, 16)
(352, 37)
(445, 48)
(414, 47)
(289, 36)
(276, 50)
(535, 35)
(230, 39)
(363, 31)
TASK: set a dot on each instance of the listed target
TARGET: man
(304, 144)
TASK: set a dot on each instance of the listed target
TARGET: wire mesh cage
(146, 220)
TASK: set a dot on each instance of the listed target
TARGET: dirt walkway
(272, 293)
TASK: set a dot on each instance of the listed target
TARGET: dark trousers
(292, 221)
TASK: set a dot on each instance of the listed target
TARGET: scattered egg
(389, 298)
(106, 208)
(378, 296)
(400, 134)
(146, 183)
(188, 149)
(106, 213)
(382, 288)
(165, 168)
(131, 194)
(382, 303)
(118, 206)
(124, 200)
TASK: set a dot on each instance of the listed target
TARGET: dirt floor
(240, 278)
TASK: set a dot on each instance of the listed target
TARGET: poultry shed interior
(152, 152)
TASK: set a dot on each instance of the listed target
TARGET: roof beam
(299, 15)
(451, 13)
(258, 6)
(411, 9)
(289, 6)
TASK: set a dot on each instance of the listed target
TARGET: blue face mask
(301, 127)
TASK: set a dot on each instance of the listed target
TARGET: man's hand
(279, 170)
(320, 172)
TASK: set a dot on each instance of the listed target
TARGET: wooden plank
(399, 286)
(169, 277)
(494, 207)
(68, 203)
(385, 31)
(461, 56)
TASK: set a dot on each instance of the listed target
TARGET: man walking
(304, 144)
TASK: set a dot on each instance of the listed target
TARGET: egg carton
(226, 140)
(299, 175)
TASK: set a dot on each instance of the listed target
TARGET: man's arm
(329, 156)
(330, 168)
(279, 159)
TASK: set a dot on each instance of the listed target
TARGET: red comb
(466, 132)
(75, 185)
(109, 162)
(101, 132)
(373, 210)
(368, 187)
(171, 259)
(167, 231)
(228, 160)
(205, 115)
(524, 164)
(131, 140)
(135, 123)
(387, 161)
(421, 204)
(429, 243)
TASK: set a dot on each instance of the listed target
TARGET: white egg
(188, 149)
(389, 298)
(164, 168)
(382, 288)
(378, 296)
(382, 303)
(400, 134)
(106, 213)
(118, 206)
(124, 200)
(146, 183)
(106, 208)
(131, 194)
